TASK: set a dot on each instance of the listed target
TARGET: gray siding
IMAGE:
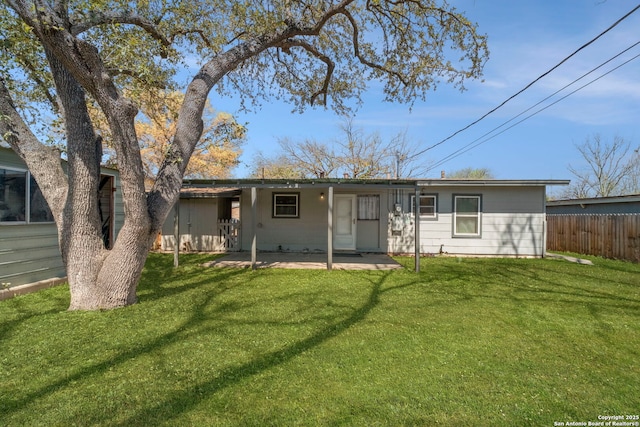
(512, 224)
(512, 221)
(198, 226)
(309, 231)
(117, 202)
(29, 252)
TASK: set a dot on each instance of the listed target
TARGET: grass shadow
(187, 399)
(150, 281)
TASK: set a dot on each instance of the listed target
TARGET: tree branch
(362, 59)
(287, 44)
(33, 74)
(98, 18)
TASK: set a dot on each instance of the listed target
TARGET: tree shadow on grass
(7, 406)
(587, 291)
(18, 310)
(532, 280)
(161, 280)
(180, 402)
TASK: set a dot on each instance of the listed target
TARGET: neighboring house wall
(511, 223)
(29, 250)
(601, 205)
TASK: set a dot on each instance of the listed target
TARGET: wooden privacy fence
(606, 235)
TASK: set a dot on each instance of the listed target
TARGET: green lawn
(465, 342)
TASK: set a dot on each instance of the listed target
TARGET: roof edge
(389, 183)
(630, 198)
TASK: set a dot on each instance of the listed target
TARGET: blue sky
(526, 38)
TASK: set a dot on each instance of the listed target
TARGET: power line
(551, 96)
(529, 85)
(474, 144)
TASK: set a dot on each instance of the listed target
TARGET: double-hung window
(467, 216)
(286, 205)
(21, 200)
(428, 205)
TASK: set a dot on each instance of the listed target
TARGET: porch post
(254, 226)
(176, 233)
(416, 227)
(330, 229)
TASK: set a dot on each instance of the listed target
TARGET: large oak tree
(309, 52)
(214, 157)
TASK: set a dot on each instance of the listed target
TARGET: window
(369, 207)
(286, 205)
(20, 198)
(38, 208)
(466, 216)
(428, 206)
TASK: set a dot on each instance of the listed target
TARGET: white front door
(344, 222)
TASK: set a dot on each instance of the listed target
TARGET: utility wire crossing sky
(533, 59)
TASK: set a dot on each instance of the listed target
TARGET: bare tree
(315, 159)
(355, 154)
(631, 184)
(408, 162)
(611, 169)
(363, 156)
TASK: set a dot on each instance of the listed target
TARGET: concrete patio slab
(296, 260)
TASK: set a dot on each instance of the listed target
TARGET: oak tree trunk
(98, 278)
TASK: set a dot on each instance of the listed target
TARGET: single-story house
(29, 249)
(461, 217)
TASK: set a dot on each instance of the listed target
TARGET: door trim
(342, 243)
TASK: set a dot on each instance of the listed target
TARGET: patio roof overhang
(237, 184)
(490, 182)
(208, 192)
(300, 183)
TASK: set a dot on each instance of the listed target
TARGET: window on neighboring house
(286, 205)
(21, 199)
(428, 205)
(369, 207)
(466, 216)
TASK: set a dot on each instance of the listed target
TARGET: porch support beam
(176, 234)
(254, 227)
(416, 227)
(330, 229)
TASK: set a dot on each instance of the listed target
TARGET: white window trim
(276, 215)
(425, 196)
(477, 215)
